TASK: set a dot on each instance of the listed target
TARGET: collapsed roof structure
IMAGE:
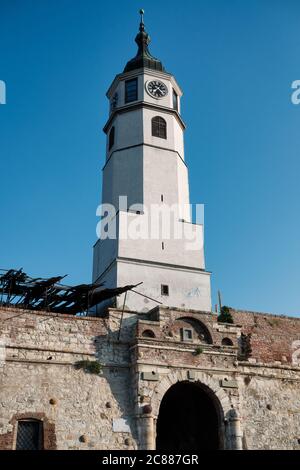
(20, 290)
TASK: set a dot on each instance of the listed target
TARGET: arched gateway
(190, 419)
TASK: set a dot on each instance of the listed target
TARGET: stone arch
(208, 384)
(180, 376)
(198, 326)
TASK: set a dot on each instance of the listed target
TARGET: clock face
(157, 89)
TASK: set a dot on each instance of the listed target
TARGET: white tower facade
(155, 241)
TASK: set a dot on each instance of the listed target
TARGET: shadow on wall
(112, 351)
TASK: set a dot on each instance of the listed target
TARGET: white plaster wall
(174, 140)
(187, 288)
(166, 174)
(160, 176)
(143, 174)
(183, 191)
(134, 128)
(105, 252)
(178, 138)
(186, 251)
(123, 175)
(108, 275)
(128, 130)
(140, 173)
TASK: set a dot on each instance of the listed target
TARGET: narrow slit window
(159, 127)
(175, 100)
(111, 139)
(162, 198)
(162, 245)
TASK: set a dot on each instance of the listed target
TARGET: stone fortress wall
(251, 369)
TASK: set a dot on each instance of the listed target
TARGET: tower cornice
(165, 149)
(140, 105)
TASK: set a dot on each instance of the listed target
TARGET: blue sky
(235, 61)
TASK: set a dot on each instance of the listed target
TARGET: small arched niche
(148, 334)
(199, 333)
(227, 342)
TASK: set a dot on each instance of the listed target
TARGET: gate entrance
(188, 420)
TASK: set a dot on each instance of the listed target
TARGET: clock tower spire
(143, 57)
(145, 164)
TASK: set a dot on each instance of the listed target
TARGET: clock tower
(145, 180)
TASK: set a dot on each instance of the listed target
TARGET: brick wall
(272, 336)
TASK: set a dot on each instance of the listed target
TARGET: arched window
(29, 435)
(111, 139)
(227, 342)
(159, 127)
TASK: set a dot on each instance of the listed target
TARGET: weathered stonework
(257, 399)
